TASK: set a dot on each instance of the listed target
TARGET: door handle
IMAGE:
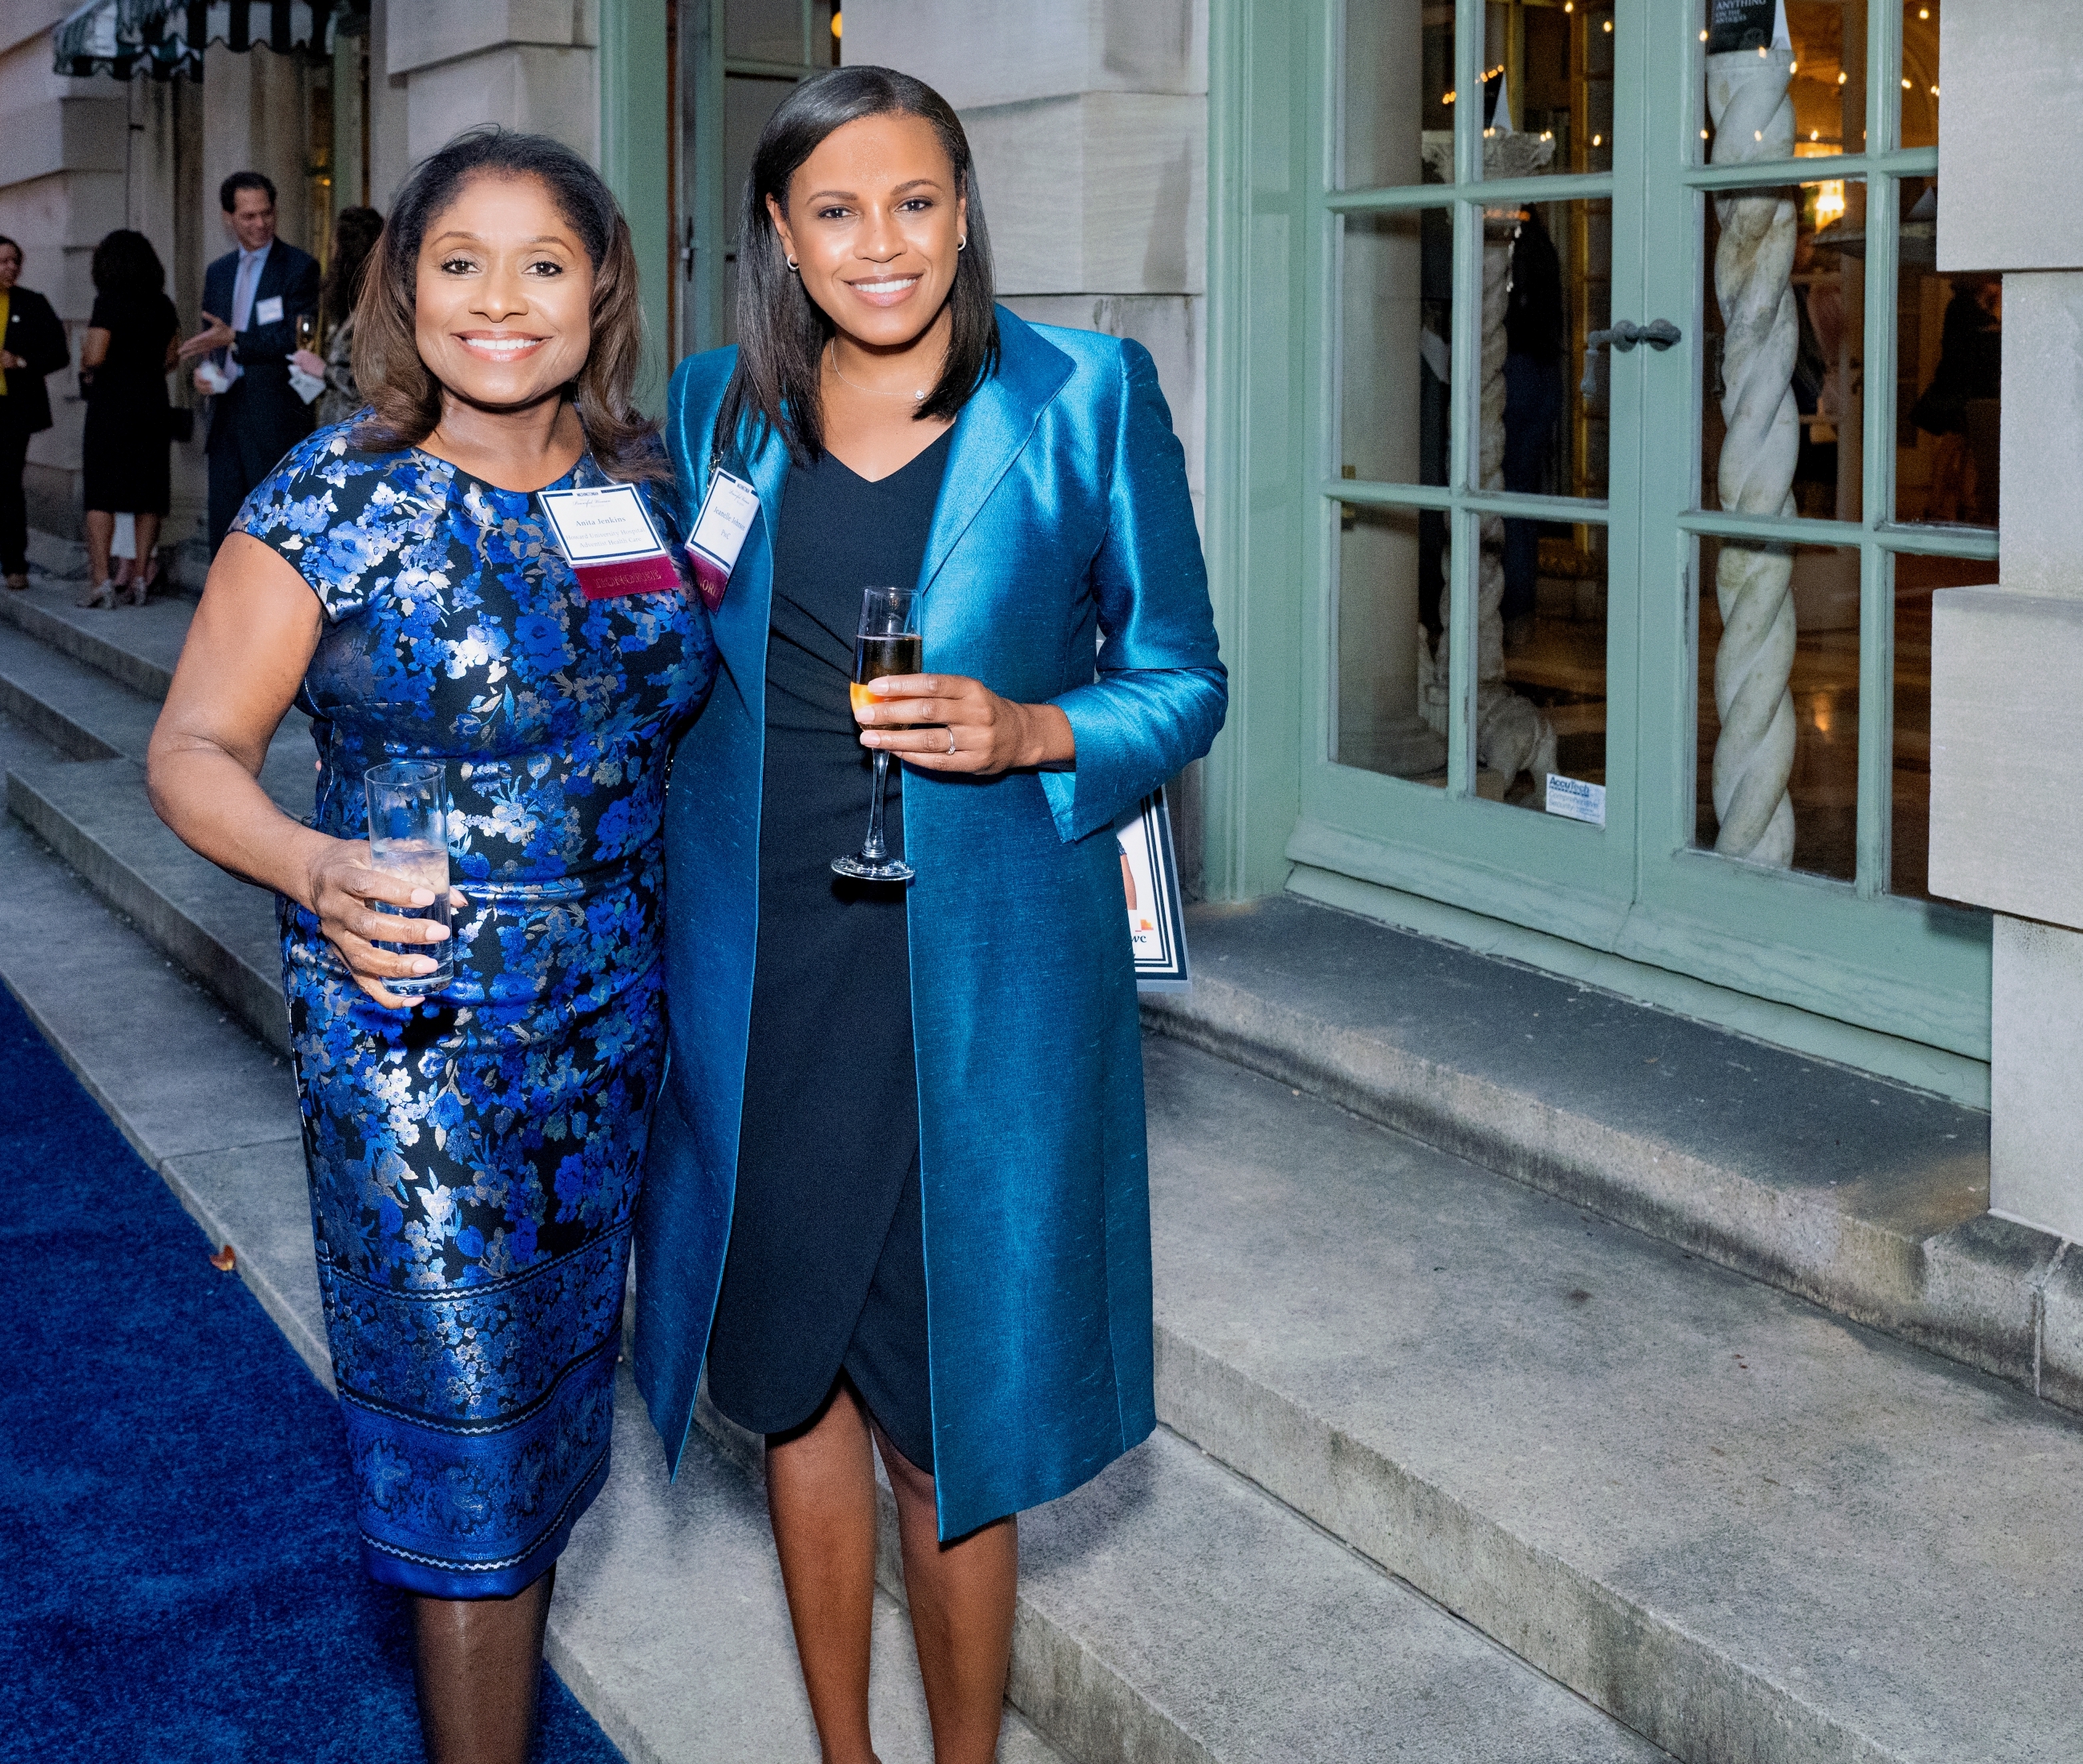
(1660, 334)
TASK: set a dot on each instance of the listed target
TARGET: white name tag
(608, 541)
(268, 311)
(726, 518)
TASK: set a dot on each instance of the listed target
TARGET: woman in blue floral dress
(474, 1157)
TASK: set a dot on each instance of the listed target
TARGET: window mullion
(1464, 529)
(1883, 229)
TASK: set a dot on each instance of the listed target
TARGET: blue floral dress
(475, 1162)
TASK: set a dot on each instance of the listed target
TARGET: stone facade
(80, 157)
(1089, 122)
(2007, 662)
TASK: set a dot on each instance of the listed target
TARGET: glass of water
(408, 806)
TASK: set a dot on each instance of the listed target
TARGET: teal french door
(738, 60)
(1592, 427)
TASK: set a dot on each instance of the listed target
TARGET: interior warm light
(1609, 24)
(1905, 85)
(1703, 36)
(1842, 77)
(1924, 12)
(1829, 203)
(836, 30)
(1598, 141)
(1815, 134)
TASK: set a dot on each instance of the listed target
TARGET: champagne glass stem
(875, 851)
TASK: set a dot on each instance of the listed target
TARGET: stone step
(135, 645)
(86, 798)
(81, 712)
(220, 930)
(1867, 1197)
(1748, 1528)
(1170, 1611)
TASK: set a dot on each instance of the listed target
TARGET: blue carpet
(179, 1577)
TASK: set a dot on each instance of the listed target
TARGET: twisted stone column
(1512, 735)
(1753, 114)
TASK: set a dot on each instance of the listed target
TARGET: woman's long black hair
(125, 263)
(781, 332)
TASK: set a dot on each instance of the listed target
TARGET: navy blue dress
(473, 1163)
(827, 1271)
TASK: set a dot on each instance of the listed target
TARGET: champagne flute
(887, 643)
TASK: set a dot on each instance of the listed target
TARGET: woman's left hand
(960, 725)
(313, 364)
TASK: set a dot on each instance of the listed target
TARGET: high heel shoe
(103, 596)
(141, 586)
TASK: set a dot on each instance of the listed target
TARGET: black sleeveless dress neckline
(826, 1270)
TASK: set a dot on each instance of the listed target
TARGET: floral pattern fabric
(475, 1162)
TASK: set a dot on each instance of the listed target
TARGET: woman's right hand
(340, 889)
(313, 364)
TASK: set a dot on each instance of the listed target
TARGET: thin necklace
(832, 354)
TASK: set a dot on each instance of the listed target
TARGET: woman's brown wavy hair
(406, 400)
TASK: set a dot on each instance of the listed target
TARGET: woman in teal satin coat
(1062, 567)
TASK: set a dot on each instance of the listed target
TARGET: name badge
(726, 518)
(268, 311)
(608, 541)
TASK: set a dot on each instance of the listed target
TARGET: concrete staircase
(1544, 1378)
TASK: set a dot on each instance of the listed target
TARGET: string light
(1905, 85)
(1598, 141)
(1609, 27)
(1703, 36)
(1490, 73)
(1842, 76)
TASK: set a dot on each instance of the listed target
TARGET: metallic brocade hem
(433, 1578)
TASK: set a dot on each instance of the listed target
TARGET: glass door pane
(1472, 459)
(738, 59)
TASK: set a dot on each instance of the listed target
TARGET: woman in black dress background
(130, 345)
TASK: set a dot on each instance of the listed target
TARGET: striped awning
(165, 37)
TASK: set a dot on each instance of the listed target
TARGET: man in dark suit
(32, 343)
(250, 298)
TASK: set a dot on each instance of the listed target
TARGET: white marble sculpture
(1512, 735)
(1753, 114)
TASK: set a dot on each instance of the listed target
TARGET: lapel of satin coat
(994, 427)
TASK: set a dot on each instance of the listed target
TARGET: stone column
(1753, 115)
(1512, 735)
(62, 160)
(2007, 662)
(523, 63)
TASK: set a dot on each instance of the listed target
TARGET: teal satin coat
(1063, 565)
